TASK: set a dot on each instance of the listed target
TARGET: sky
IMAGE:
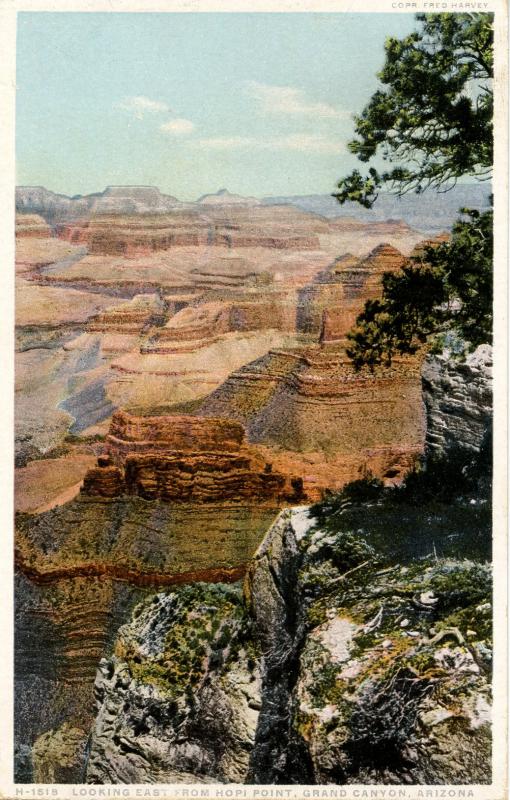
(259, 103)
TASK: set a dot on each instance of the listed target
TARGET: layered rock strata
(358, 280)
(181, 459)
(109, 234)
(58, 208)
(135, 316)
(310, 400)
(32, 226)
(196, 325)
(73, 595)
(130, 236)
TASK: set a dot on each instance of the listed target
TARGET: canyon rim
(255, 539)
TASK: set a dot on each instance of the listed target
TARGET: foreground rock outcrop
(80, 569)
(180, 698)
(344, 663)
(458, 400)
(394, 683)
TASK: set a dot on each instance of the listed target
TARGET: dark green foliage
(365, 490)
(448, 288)
(207, 626)
(444, 478)
(432, 117)
(462, 585)
(443, 508)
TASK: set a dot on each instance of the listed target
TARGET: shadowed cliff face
(81, 568)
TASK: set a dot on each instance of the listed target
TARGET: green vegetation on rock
(198, 628)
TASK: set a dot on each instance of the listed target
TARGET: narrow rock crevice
(279, 753)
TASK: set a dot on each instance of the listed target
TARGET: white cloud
(288, 100)
(140, 105)
(178, 127)
(301, 142)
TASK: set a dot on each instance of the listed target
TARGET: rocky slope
(330, 304)
(352, 655)
(32, 226)
(310, 401)
(180, 699)
(379, 674)
(80, 569)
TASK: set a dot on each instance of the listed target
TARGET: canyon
(154, 311)
(182, 382)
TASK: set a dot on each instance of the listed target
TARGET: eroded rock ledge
(185, 459)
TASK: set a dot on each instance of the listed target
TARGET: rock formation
(410, 210)
(404, 691)
(197, 325)
(194, 643)
(219, 326)
(368, 662)
(458, 401)
(342, 665)
(310, 400)
(438, 211)
(330, 304)
(140, 313)
(71, 599)
(32, 226)
(130, 235)
(58, 208)
(185, 459)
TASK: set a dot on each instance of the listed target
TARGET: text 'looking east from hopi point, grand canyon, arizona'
(253, 430)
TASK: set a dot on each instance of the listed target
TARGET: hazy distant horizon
(431, 212)
(485, 186)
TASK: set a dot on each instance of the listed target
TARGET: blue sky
(260, 103)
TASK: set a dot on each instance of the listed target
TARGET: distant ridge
(430, 212)
(223, 197)
(112, 200)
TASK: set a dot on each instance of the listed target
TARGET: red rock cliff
(185, 459)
